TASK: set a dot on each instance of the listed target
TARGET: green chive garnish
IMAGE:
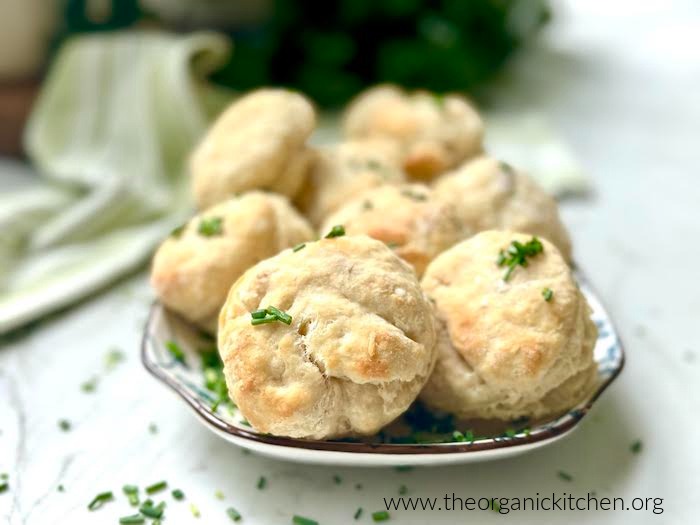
(133, 519)
(636, 447)
(547, 293)
(4, 486)
(337, 479)
(113, 358)
(64, 425)
(210, 227)
(177, 232)
(132, 493)
(336, 231)
(233, 514)
(380, 515)
(89, 386)
(516, 255)
(61, 488)
(495, 506)
(565, 475)
(358, 513)
(219, 495)
(153, 428)
(301, 520)
(156, 487)
(510, 432)
(262, 483)
(178, 494)
(269, 315)
(194, 510)
(175, 351)
(299, 247)
(98, 500)
(403, 489)
(151, 511)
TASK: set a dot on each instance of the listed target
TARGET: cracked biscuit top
(359, 347)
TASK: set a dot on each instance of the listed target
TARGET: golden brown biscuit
(343, 171)
(435, 133)
(504, 350)
(259, 142)
(192, 271)
(407, 218)
(359, 348)
(491, 195)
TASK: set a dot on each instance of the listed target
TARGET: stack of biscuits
(345, 282)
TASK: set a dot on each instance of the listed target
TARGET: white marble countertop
(620, 81)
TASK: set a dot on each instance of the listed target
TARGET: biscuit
(343, 171)
(407, 218)
(358, 349)
(504, 351)
(258, 142)
(192, 271)
(491, 195)
(435, 133)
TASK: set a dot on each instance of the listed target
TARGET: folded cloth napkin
(109, 135)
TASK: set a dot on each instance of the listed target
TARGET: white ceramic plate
(436, 445)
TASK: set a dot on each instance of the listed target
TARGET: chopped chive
(547, 293)
(156, 487)
(301, 520)
(510, 432)
(210, 227)
(526, 431)
(133, 519)
(219, 495)
(178, 494)
(132, 493)
(175, 351)
(194, 510)
(264, 320)
(336, 231)
(282, 316)
(4, 486)
(636, 447)
(380, 515)
(565, 476)
(61, 488)
(358, 486)
(89, 385)
(64, 425)
(262, 482)
(233, 514)
(153, 428)
(113, 358)
(358, 513)
(259, 313)
(403, 468)
(299, 246)
(4, 476)
(100, 499)
(337, 479)
(403, 489)
(495, 506)
(151, 511)
(516, 255)
(469, 436)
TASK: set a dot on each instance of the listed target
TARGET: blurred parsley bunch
(332, 50)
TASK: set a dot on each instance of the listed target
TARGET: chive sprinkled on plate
(301, 520)
(380, 515)
(233, 514)
(269, 315)
(262, 483)
(495, 506)
(516, 255)
(547, 293)
(147, 509)
(636, 447)
(358, 513)
(131, 520)
(153, 428)
(210, 227)
(89, 386)
(336, 231)
(178, 494)
(219, 495)
(61, 488)
(565, 476)
(510, 432)
(194, 510)
(64, 425)
(337, 479)
(299, 246)
(177, 232)
(156, 487)
(100, 499)
(403, 489)
(132, 493)
(175, 351)
(113, 358)
(4, 486)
